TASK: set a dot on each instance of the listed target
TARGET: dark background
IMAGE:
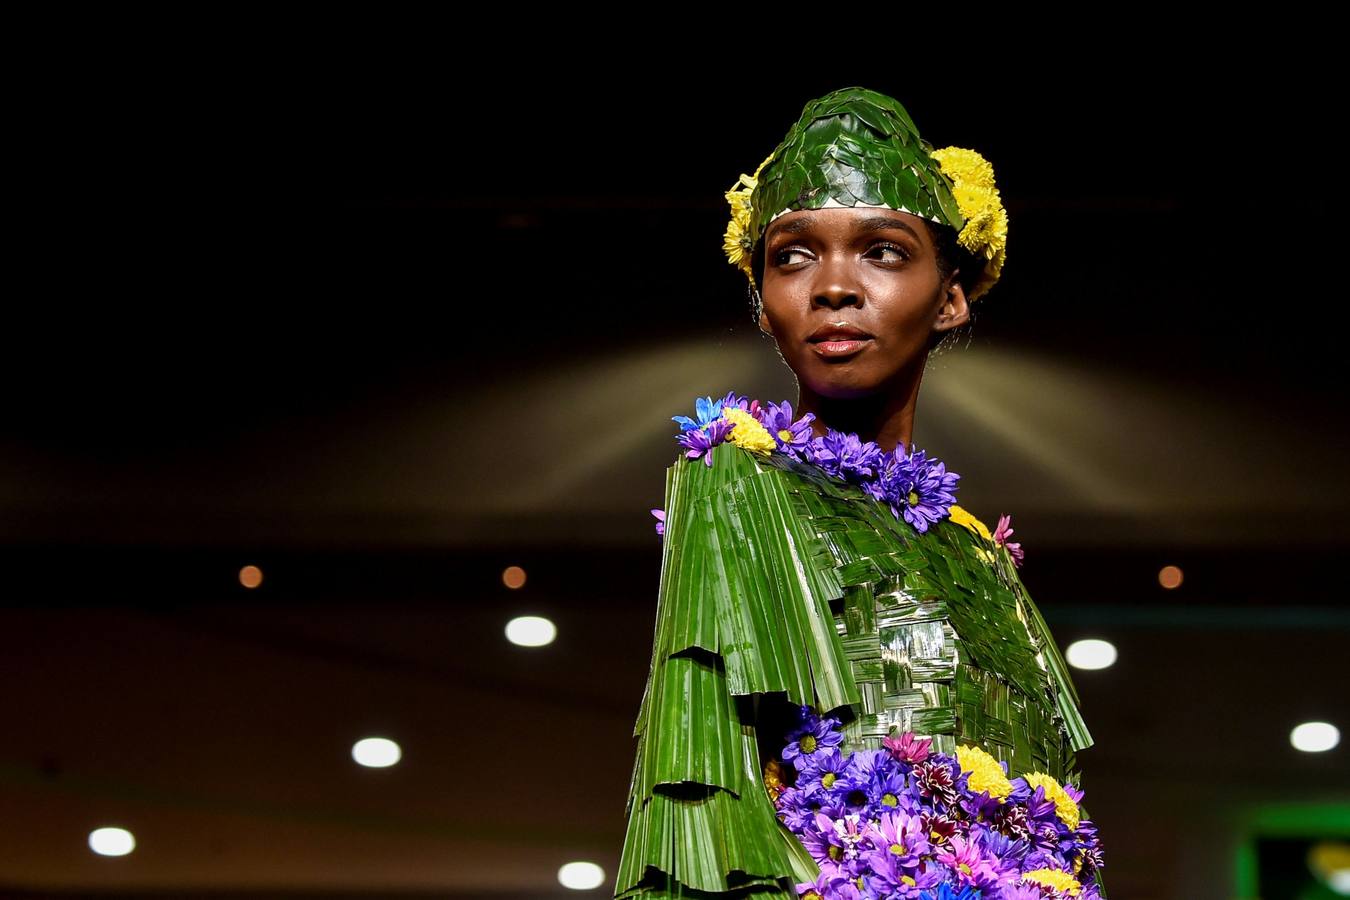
(385, 307)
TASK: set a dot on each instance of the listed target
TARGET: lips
(838, 341)
(837, 333)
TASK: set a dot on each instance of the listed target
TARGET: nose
(836, 283)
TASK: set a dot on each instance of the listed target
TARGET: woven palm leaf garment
(784, 587)
(781, 582)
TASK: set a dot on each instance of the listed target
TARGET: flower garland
(906, 822)
(918, 489)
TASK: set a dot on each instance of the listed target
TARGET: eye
(894, 248)
(779, 256)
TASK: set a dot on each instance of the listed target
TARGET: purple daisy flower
(798, 805)
(1003, 854)
(660, 520)
(887, 789)
(921, 490)
(831, 885)
(845, 456)
(813, 739)
(706, 409)
(867, 762)
(824, 842)
(1039, 808)
(826, 768)
(1008, 851)
(791, 436)
(701, 441)
(898, 833)
(734, 399)
(889, 876)
(1044, 859)
(1018, 892)
(981, 807)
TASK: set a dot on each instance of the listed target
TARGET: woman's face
(874, 270)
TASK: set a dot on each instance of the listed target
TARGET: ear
(955, 309)
(764, 325)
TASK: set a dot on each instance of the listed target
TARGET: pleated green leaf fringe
(776, 578)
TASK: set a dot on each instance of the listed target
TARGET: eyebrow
(871, 223)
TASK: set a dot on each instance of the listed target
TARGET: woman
(851, 693)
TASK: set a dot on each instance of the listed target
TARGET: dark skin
(875, 269)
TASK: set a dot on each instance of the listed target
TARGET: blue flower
(708, 411)
(946, 892)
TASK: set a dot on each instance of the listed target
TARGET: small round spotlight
(1091, 654)
(376, 752)
(530, 631)
(581, 876)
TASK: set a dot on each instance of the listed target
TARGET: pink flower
(1001, 535)
(907, 748)
(967, 861)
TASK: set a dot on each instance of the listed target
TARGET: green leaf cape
(780, 584)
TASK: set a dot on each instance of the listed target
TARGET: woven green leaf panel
(777, 578)
(854, 146)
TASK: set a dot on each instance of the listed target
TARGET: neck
(886, 417)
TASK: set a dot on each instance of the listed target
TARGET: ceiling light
(1091, 654)
(581, 876)
(1314, 737)
(375, 752)
(530, 631)
(111, 841)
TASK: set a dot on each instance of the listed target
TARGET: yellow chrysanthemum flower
(1054, 878)
(1065, 808)
(747, 432)
(985, 233)
(961, 517)
(986, 228)
(965, 165)
(985, 772)
(736, 241)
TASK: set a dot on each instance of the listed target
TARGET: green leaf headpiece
(857, 147)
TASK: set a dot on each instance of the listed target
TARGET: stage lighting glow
(530, 631)
(377, 753)
(1169, 577)
(111, 841)
(1315, 737)
(250, 576)
(1091, 654)
(513, 577)
(581, 876)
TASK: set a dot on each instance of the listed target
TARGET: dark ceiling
(382, 319)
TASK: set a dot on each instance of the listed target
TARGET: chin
(840, 382)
